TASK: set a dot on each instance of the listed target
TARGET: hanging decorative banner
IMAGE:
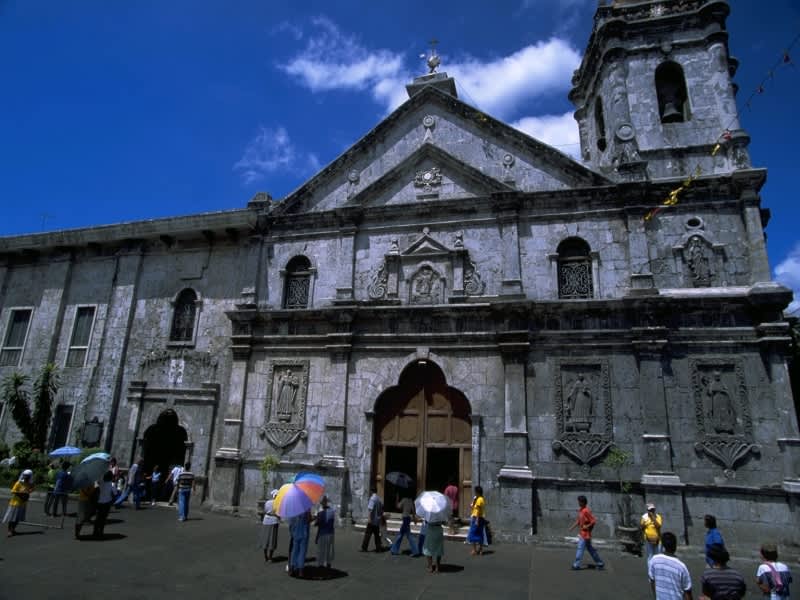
(726, 135)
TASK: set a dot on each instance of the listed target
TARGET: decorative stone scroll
(286, 402)
(172, 367)
(584, 416)
(722, 412)
(426, 272)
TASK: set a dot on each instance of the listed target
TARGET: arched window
(184, 317)
(298, 280)
(574, 269)
(673, 100)
(600, 124)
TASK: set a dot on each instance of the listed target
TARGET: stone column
(662, 485)
(641, 275)
(344, 275)
(51, 306)
(508, 222)
(252, 272)
(759, 264)
(228, 457)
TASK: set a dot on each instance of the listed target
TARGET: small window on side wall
(673, 99)
(298, 283)
(574, 269)
(19, 321)
(81, 337)
(184, 317)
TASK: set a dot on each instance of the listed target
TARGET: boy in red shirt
(585, 523)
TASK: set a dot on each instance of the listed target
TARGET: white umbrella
(434, 507)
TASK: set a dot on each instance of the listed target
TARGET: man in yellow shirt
(651, 529)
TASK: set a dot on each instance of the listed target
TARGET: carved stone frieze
(428, 179)
(583, 409)
(722, 411)
(426, 287)
(286, 402)
(378, 285)
(173, 366)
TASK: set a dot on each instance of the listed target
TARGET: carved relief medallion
(428, 179)
(583, 409)
(286, 402)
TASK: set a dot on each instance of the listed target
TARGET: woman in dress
(477, 522)
(268, 533)
(325, 522)
(433, 546)
(20, 492)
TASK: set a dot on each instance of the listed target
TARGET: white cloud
(272, 150)
(500, 87)
(559, 131)
(787, 272)
(335, 60)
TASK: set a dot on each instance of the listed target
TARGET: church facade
(455, 300)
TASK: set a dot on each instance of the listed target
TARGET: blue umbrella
(101, 455)
(91, 469)
(66, 451)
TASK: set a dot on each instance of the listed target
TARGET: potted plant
(266, 466)
(627, 530)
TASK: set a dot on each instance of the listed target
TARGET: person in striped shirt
(185, 488)
(669, 577)
(720, 582)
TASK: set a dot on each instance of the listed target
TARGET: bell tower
(654, 94)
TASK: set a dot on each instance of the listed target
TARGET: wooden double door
(423, 429)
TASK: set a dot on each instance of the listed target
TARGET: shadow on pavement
(322, 573)
(19, 533)
(107, 537)
(445, 568)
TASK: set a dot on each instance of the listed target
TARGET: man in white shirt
(173, 481)
(669, 577)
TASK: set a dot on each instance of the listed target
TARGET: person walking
(133, 481)
(374, 518)
(20, 493)
(451, 491)
(720, 582)
(60, 492)
(669, 577)
(651, 523)
(713, 536)
(433, 547)
(325, 521)
(773, 577)
(585, 523)
(86, 497)
(155, 485)
(105, 496)
(477, 522)
(172, 484)
(186, 485)
(406, 508)
(268, 533)
(299, 528)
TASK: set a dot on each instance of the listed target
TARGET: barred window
(183, 319)
(81, 335)
(298, 283)
(574, 269)
(16, 334)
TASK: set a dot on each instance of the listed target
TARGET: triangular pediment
(425, 246)
(479, 155)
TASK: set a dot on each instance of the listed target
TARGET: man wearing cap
(651, 531)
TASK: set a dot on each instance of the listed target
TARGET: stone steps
(393, 524)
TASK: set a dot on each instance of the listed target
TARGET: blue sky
(121, 111)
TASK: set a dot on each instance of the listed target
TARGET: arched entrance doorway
(164, 443)
(423, 428)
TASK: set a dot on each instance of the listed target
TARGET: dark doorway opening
(164, 443)
(404, 460)
(442, 467)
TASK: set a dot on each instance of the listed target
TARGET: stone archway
(423, 428)
(164, 442)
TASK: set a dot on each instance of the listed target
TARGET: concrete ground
(148, 554)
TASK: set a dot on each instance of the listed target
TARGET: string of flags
(726, 135)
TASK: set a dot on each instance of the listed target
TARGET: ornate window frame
(592, 258)
(309, 274)
(198, 304)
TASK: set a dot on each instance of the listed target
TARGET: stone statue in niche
(580, 405)
(426, 286)
(721, 409)
(699, 262)
(287, 393)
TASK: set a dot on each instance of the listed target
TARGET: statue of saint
(722, 410)
(287, 393)
(699, 263)
(579, 405)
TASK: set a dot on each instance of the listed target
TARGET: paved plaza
(148, 554)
